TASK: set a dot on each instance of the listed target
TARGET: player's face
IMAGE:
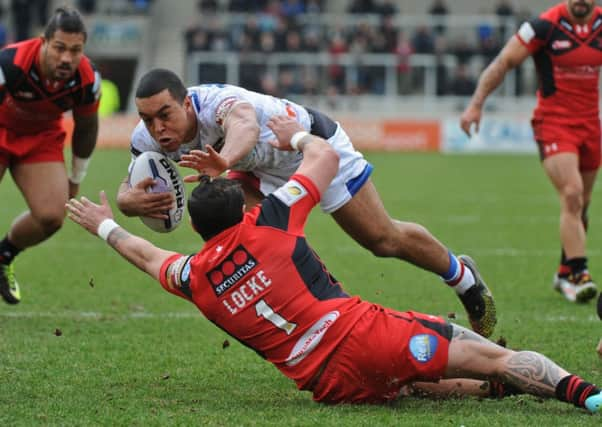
(61, 55)
(169, 122)
(581, 8)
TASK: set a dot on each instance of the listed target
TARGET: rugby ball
(168, 179)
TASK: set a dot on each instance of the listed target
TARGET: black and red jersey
(28, 104)
(567, 57)
(262, 283)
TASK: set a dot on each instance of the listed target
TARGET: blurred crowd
(293, 26)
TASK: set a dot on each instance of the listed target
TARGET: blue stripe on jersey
(354, 185)
(314, 274)
(195, 101)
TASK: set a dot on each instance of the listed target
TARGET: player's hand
(471, 116)
(140, 201)
(73, 189)
(87, 213)
(208, 162)
(284, 127)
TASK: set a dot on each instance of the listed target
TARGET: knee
(572, 197)
(394, 241)
(50, 222)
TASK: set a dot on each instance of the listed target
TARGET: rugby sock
(564, 268)
(577, 265)
(458, 276)
(8, 251)
(574, 390)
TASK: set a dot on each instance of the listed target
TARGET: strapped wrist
(79, 168)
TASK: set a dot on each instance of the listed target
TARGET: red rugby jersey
(27, 104)
(568, 58)
(261, 283)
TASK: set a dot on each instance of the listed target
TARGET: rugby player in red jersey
(282, 302)
(566, 45)
(39, 80)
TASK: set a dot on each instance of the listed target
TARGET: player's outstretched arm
(241, 130)
(137, 201)
(512, 55)
(320, 161)
(98, 220)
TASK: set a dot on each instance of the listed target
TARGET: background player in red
(39, 80)
(566, 45)
(281, 301)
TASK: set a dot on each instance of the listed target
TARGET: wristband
(298, 137)
(79, 167)
(105, 228)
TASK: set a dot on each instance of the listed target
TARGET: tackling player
(39, 80)
(212, 128)
(566, 45)
(281, 301)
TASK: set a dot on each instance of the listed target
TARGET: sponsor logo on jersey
(423, 347)
(561, 44)
(238, 264)
(223, 109)
(291, 192)
(310, 339)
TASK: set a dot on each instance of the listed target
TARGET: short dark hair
(65, 19)
(159, 79)
(215, 205)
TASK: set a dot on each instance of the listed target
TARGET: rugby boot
(594, 403)
(478, 302)
(576, 288)
(9, 288)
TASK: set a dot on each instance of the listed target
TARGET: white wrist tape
(79, 167)
(298, 137)
(105, 228)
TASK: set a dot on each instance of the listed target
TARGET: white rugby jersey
(212, 103)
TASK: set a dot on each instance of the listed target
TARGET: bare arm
(143, 254)
(242, 133)
(85, 132)
(320, 161)
(512, 55)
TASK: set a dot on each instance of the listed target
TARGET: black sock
(8, 251)
(577, 265)
(574, 390)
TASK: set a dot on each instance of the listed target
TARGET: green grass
(131, 354)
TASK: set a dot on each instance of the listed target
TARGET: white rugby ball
(168, 179)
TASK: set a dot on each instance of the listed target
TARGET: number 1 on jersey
(264, 310)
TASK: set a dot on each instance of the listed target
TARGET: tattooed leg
(472, 356)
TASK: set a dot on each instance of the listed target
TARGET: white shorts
(353, 173)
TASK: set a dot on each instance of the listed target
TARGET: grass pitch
(96, 342)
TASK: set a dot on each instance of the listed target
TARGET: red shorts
(385, 350)
(45, 146)
(581, 137)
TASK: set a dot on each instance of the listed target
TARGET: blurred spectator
(292, 8)
(21, 13)
(267, 44)
(41, 12)
(336, 72)
(389, 32)
(207, 6)
(86, 7)
(439, 11)
(504, 11)
(463, 50)
(293, 42)
(288, 83)
(362, 6)
(251, 29)
(403, 49)
(197, 39)
(269, 85)
(312, 41)
(387, 8)
(462, 83)
(313, 6)
(423, 41)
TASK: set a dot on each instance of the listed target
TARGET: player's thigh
(364, 217)
(563, 171)
(44, 186)
(588, 178)
(3, 169)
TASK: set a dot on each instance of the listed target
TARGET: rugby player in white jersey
(218, 128)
